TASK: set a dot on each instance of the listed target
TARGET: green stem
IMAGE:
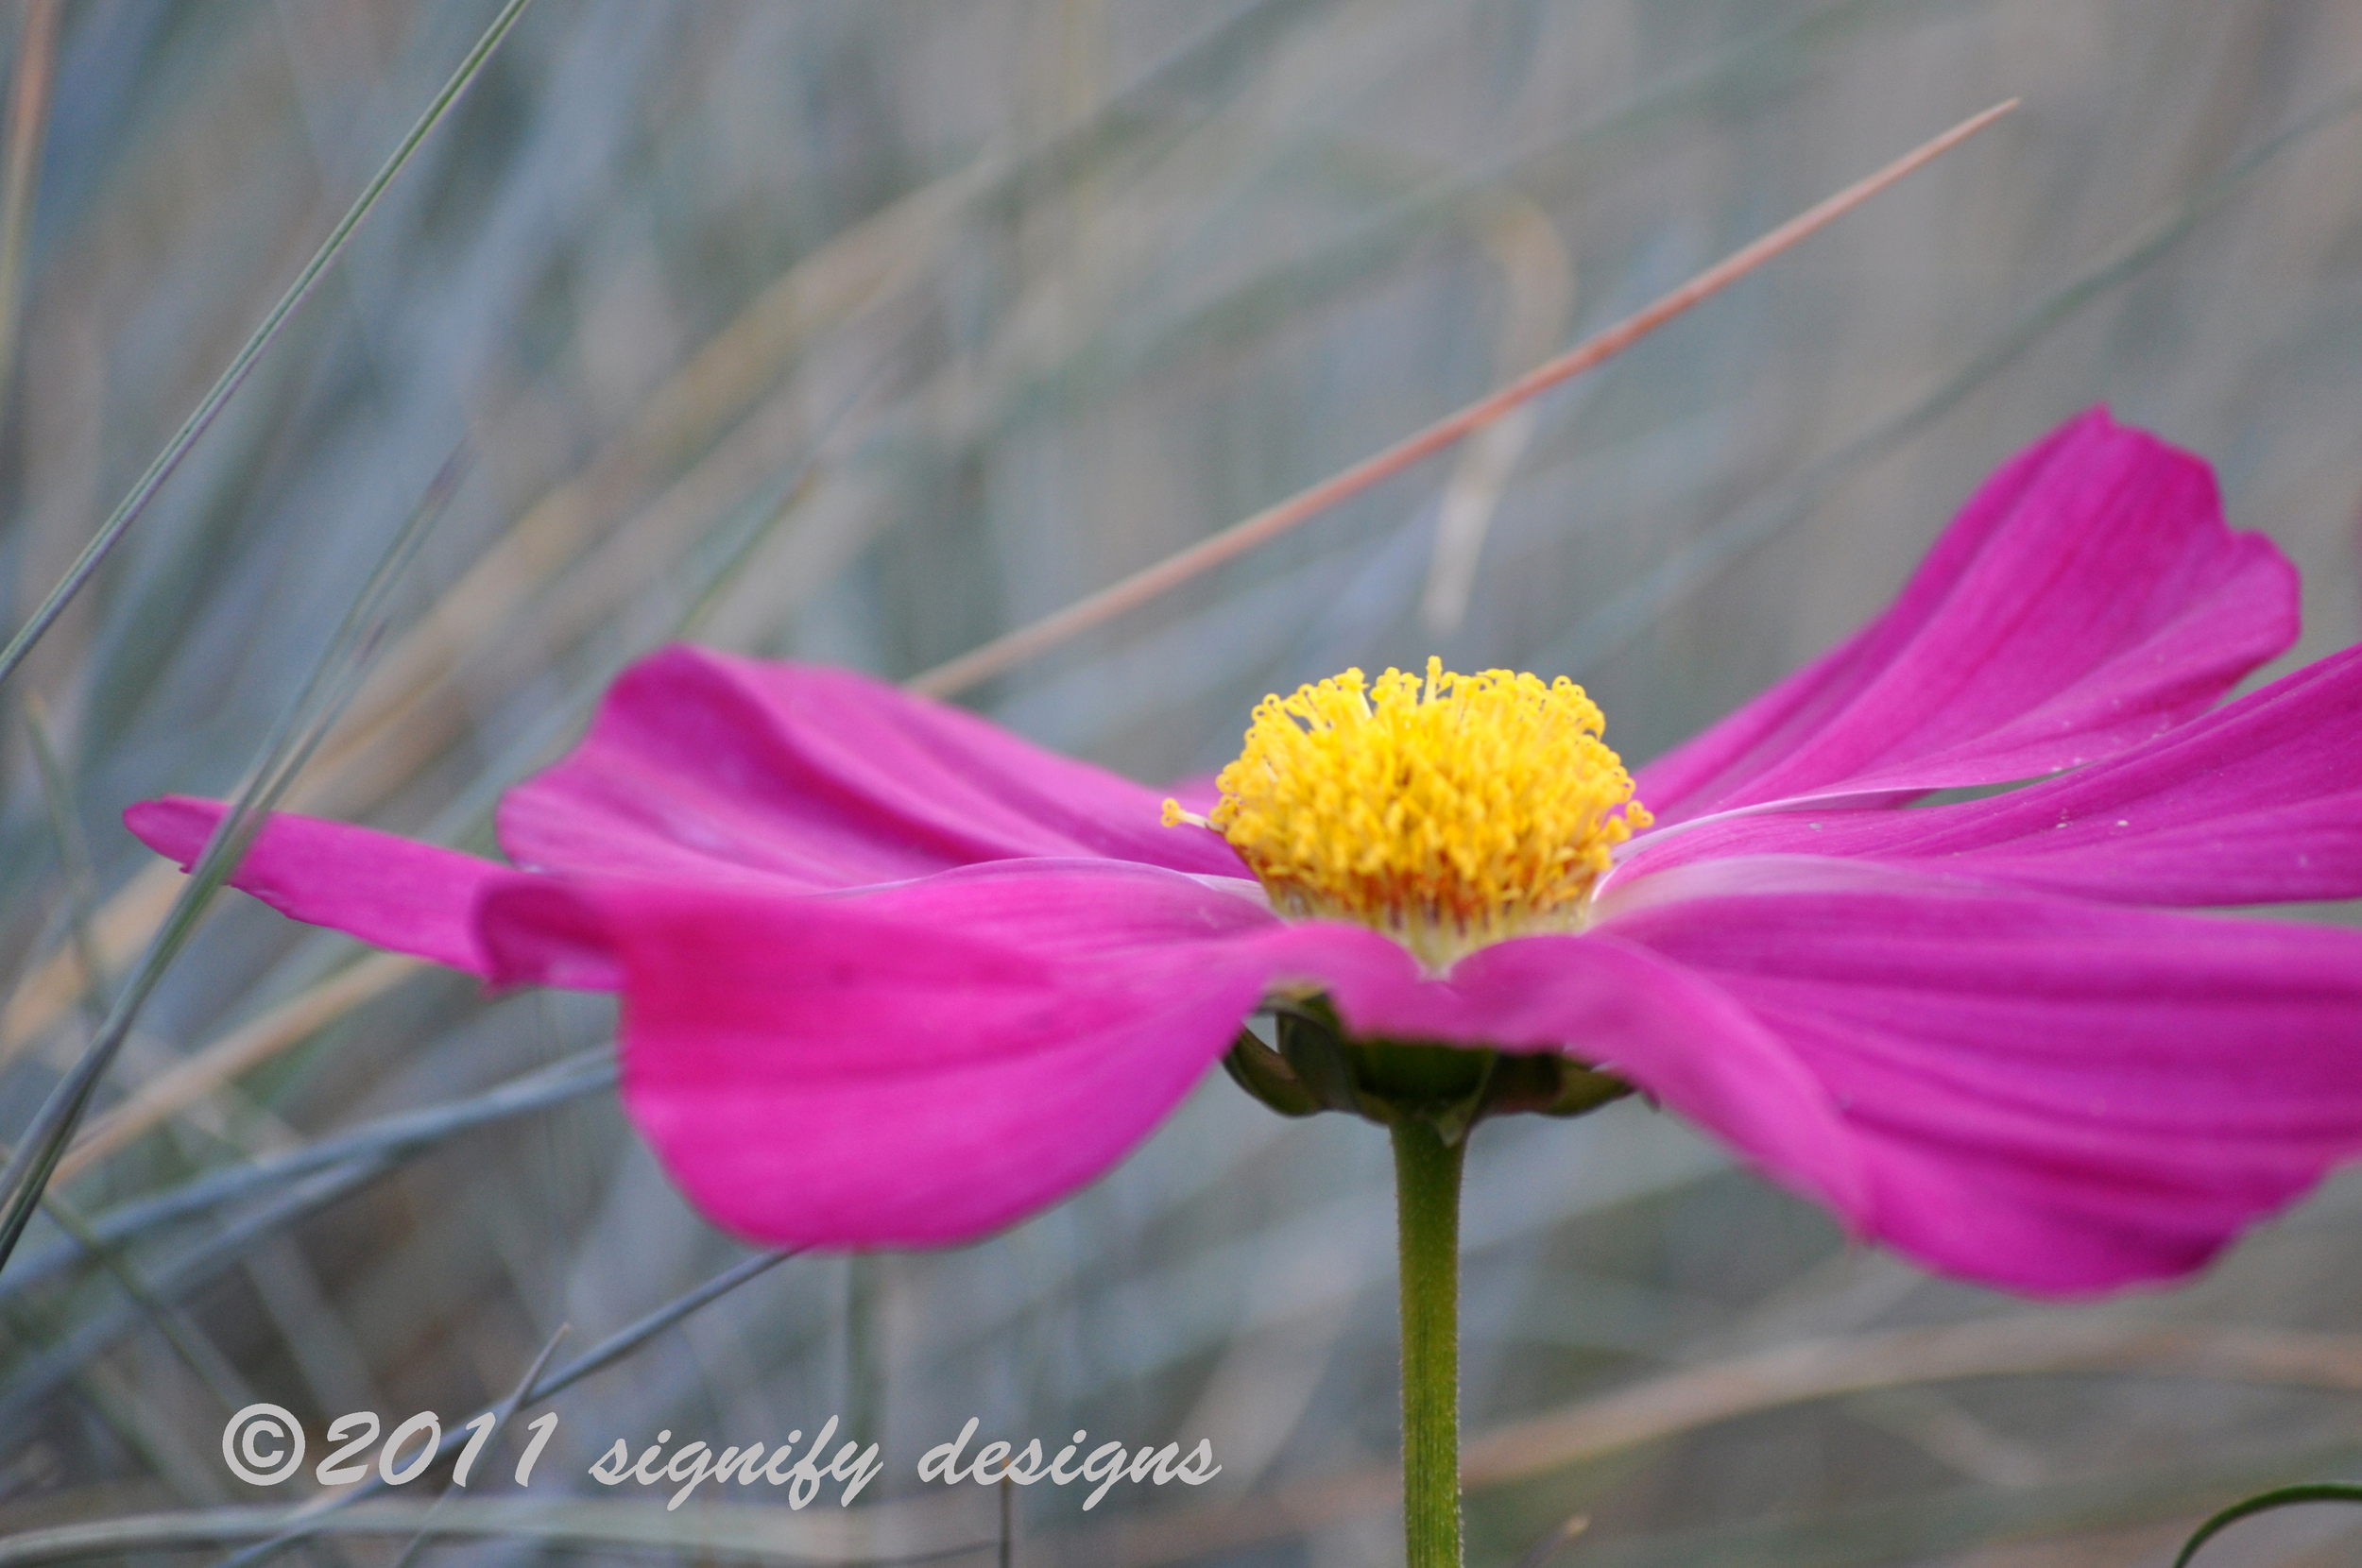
(865, 1365)
(1426, 1210)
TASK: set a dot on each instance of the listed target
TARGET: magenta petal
(922, 1066)
(2086, 599)
(540, 930)
(1622, 1009)
(2055, 1096)
(724, 768)
(927, 1062)
(389, 891)
(2257, 802)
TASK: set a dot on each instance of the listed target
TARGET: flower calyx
(1317, 1066)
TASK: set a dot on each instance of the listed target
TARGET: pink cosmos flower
(892, 976)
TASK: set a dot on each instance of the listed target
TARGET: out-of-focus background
(864, 329)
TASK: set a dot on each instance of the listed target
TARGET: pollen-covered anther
(1449, 813)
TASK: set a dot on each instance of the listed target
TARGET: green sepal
(1444, 1086)
(1546, 1083)
(1312, 1042)
(1264, 1073)
(1583, 1090)
(1449, 1088)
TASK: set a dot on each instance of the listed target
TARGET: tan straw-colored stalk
(1006, 652)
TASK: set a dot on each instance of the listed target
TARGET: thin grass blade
(299, 731)
(50, 1372)
(143, 489)
(2281, 1497)
(606, 1354)
(395, 1137)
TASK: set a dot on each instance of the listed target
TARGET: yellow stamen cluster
(1449, 813)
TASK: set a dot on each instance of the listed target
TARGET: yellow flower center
(1448, 814)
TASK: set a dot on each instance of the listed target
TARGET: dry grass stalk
(1026, 642)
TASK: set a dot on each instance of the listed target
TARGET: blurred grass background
(862, 332)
